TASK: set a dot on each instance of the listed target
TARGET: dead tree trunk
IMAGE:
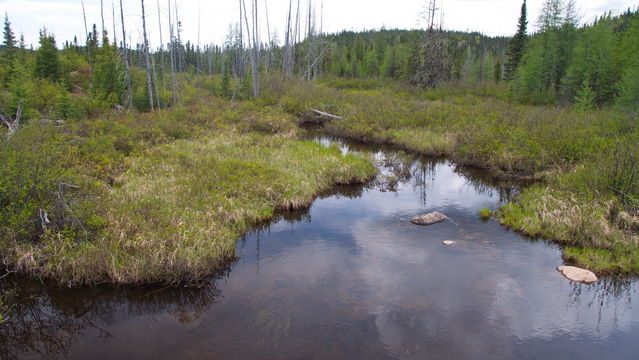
(103, 33)
(162, 64)
(172, 55)
(434, 65)
(267, 61)
(12, 124)
(149, 81)
(126, 60)
(255, 46)
(286, 61)
(88, 46)
(115, 38)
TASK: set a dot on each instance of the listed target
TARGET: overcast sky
(64, 17)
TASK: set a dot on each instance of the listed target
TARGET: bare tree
(126, 59)
(254, 37)
(162, 64)
(103, 33)
(173, 56)
(88, 46)
(288, 53)
(267, 61)
(434, 64)
(115, 38)
(149, 82)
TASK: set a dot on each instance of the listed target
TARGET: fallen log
(325, 114)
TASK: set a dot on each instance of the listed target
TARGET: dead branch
(12, 125)
(44, 219)
(325, 114)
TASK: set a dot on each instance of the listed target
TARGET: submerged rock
(429, 219)
(578, 275)
(448, 243)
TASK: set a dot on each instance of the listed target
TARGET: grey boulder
(429, 219)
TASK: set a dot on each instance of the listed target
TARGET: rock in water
(429, 219)
(448, 243)
(578, 275)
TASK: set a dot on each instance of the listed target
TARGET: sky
(64, 17)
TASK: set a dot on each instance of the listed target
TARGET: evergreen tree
(517, 45)
(225, 88)
(629, 89)
(108, 77)
(498, 70)
(47, 65)
(9, 37)
(585, 97)
(371, 66)
(548, 56)
(9, 52)
(594, 64)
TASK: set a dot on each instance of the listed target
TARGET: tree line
(594, 64)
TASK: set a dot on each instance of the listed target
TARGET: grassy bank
(586, 160)
(162, 197)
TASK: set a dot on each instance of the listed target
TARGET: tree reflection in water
(44, 320)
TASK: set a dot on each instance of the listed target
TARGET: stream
(351, 278)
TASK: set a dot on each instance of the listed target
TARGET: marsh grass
(586, 159)
(473, 124)
(164, 196)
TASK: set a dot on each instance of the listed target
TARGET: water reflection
(351, 278)
(44, 320)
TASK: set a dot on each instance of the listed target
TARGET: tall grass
(162, 196)
(587, 159)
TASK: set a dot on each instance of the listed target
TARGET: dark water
(351, 278)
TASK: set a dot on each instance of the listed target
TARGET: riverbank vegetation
(131, 165)
(158, 197)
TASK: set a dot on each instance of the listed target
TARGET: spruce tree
(516, 46)
(498, 74)
(9, 53)
(9, 36)
(47, 64)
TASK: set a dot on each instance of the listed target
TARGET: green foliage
(498, 73)
(108, 78)
(593, 64)
(9, 42)
(629, 90)
(586, 97)
(47, 65)
(517, 45)
(225, 87)
(485, 213)
(33, 165)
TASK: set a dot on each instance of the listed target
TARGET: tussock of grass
(163, 196)
(617, 261)
(178, 210)
(485, 214)
(593, 239)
